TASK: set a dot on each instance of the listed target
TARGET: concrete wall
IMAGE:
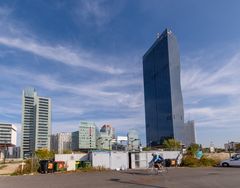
(218, 156)
(141, 160)
(112, 160)
(71, 157)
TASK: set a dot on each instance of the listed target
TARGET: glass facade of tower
(162, 90)
(85, 138)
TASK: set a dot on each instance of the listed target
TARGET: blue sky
(87, 56)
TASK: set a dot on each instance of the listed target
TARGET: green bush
(147, 149)
(192, 149)
(44, 154)
(191, 161)
(208, 161)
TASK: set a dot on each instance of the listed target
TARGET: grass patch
(92, 169)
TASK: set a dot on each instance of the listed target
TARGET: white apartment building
(8, 137)
(36, 122)
(61, 142)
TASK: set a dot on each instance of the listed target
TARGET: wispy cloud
(97, 12)
(212, 97)
(18, 36)
(60, 54)
(84, 97)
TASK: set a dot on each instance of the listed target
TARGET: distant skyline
(87, 57)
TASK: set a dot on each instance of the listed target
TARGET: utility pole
(229, 151)
(4, 153)
(32, 162)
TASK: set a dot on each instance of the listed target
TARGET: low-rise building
(231, 146)
(8, 137)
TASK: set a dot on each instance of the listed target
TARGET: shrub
(192, 149)
(147, 149)
(191, 161)
(30, 166)
(44, 154)
(208, 161)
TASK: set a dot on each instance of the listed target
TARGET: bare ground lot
(8, 168)
(176, 177)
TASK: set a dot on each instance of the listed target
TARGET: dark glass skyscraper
(162, 90)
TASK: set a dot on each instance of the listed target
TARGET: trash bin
(86, 164)
(173, 162)
(167, 162)
(50, 167)
(78, 164)
(43, 166)
(59, 166)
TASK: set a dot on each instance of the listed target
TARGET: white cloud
(97, 12)
(79, 98)
(213, 97)
(60, 54)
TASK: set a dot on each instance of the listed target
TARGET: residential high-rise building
(162, 90)
(85, 138)
(54, 143)
(106, 137)
(64, 142)
(36, 122)
(189, 133)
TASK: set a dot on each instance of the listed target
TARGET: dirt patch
(8, 168)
